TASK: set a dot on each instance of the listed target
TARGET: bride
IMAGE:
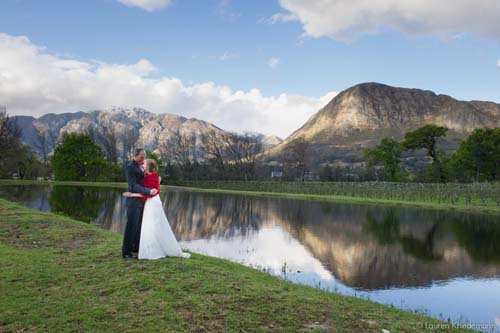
(157, 239)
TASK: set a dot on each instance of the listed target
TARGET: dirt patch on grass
(5, 329)
(46, 234)
(207, 322)
(80, 240)
(315, 327)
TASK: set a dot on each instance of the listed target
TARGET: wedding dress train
(157, 237)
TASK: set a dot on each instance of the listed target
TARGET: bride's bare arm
(132, 195)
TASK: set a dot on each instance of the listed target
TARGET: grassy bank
(483, 198)
(59, 275)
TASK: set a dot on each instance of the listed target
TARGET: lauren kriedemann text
(468, 326)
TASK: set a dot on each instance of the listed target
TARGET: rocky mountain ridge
(359, 117)
(150, 130)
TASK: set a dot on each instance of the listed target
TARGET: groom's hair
(137, 151)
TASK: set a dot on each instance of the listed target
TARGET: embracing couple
(148, 231)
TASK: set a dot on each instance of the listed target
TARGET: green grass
(479, 196)
(351, 199)
(62, 275)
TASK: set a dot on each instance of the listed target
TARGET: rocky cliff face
(361, 116)
(52, 123)
(151, 130)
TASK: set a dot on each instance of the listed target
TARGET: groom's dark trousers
(135, 208)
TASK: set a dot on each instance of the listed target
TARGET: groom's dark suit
(135, 208)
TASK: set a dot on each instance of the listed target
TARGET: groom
(135, 206)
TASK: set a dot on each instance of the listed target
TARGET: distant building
(276, 174)
(308, 176)
(3, 109)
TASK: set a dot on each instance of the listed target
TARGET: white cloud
(346, 20)
(149, 5)
(274, 62)
(278, 17)
(34, 82)
(283, 17)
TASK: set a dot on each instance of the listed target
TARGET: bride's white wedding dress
(157, 237)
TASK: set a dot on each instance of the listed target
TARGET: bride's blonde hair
(151, 165)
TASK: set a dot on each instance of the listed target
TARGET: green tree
(150, 154)
(478, 156)
(426, 138)
(77, 157)
(388, 153)
(171, 172)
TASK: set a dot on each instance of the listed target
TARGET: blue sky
(232, 44)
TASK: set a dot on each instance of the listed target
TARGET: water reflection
(447, 263)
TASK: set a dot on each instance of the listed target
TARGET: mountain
(52, 122)
(268, 141)
(149, 130)
(359, 117)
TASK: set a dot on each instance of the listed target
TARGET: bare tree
(214, 148)
(128, 139)
(10, 134)
(41, 142)
(15, 156)
(243, 151)
(180, 149)
(52, 138)
(252, 147)
(296, 158)
(10, 142)
(109, 142)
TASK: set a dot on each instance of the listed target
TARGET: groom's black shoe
(129, 256)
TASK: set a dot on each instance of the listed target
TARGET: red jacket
(151, 180)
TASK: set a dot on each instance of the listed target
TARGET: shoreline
(492, 210)
(61, 274)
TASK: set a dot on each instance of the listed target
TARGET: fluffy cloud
(149, 5)
(346, 20)
(34, 82)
